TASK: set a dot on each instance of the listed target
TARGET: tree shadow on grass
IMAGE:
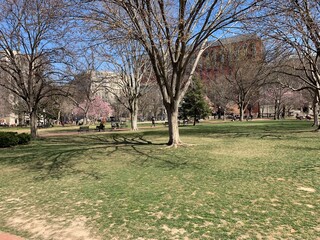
(277, 131)
(58, 157)
(134, 146)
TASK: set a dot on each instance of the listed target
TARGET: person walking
(153, 121)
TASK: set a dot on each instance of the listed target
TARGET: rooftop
(234, 39)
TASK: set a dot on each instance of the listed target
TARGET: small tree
(87, 81)
(151, 104)
(96, 109)
(133, 74)
(244, 79)
(194, 103)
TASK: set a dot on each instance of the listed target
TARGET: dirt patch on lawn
(307, 189)
(56, 229)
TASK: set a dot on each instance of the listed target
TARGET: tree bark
(283, 114)
(316, 112)
(316, 116)
(241, 110)
(174, 136)
(276, 110)
(58, 117)
(85, 120)
(259, 111)
(134, 116)
(33, 123)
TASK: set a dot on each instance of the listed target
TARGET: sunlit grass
(252, 180)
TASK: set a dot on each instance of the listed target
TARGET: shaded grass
(240, 181)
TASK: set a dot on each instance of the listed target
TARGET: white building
(105, 85)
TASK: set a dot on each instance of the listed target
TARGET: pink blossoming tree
(96, 109)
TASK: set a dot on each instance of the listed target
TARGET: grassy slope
(239, 181)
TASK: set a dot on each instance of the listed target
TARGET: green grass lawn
(251, 180)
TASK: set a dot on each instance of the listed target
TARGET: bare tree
(82, 93)
(245, 79)
(217, 91)
(57, 108)
(88, 81)
(151, 103)
(296, 25)
(133, 70)
(238, 70)
(174, 35)
(31, 50)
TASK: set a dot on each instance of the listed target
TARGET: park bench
(308, 117)
(249, 117)
(83, 128)
(123, 125)
(100, 128)
(184, 122)
(180, 123)
(115, 125)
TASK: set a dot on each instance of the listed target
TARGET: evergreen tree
(194, 104)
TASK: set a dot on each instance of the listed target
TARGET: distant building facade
(8, 117)
(218, 60)
(105, 85)
(9, 112)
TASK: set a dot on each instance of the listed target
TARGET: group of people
(102, 124)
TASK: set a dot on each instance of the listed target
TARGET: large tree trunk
(58, 117)
(276, 110)
(85, 120)
(316, 112)
(241, 110)
(283, 113)
(259, 111)
(134, 116)
(174, 136)
(33, 123)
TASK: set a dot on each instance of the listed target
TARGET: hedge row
(9, 139)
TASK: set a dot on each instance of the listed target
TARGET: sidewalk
(7, 236)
